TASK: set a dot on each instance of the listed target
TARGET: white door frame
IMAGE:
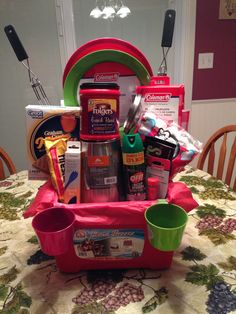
(183, 45)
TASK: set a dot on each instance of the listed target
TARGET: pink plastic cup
(54, 228)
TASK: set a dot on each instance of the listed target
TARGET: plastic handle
(15, 43)
(168, 28)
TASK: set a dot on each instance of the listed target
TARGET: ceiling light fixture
(96, 12)
(123, 11)
(108, 9)
(108, 12)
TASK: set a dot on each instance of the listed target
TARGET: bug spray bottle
(134, 167)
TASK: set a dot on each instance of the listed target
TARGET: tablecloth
(201, 279)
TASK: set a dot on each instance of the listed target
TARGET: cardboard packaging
(72, 172)
(42, 121)
(165, 101)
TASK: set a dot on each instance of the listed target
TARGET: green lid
(132, 143)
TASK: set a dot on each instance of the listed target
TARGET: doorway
(143, 28)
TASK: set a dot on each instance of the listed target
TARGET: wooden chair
(226, 157)
(6, 163)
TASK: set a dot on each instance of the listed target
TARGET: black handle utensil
(15, 43)
(21, 56)
(168, 29)
(167, 36)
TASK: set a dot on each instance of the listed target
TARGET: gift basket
(109, 155)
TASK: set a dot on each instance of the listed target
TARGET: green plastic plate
(107, 55)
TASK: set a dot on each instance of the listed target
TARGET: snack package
(55, 149)
(42, 121)
(186, 146)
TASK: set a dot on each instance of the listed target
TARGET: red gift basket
(107, 235)
(100, 235)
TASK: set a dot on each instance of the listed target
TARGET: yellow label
(133, 159)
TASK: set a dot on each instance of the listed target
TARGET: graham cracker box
(43, 121)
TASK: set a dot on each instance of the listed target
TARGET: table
(202, 277)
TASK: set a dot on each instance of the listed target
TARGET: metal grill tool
(22, 56)
(167, 37)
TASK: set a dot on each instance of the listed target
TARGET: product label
(134, 171)
(160, 168)
(101, 171)
(133, 159)
(72, 171)
(102, 116)
(135, 182)
(127, 85)
(43, 121)
(155, 97)
(162, 105)
(106, 77)
(98, 161)
(108, 243)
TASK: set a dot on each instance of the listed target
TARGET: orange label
(133, 159)
(98, 161)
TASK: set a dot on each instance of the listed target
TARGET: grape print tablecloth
(202, 278)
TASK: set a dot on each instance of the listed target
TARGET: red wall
(217, 36)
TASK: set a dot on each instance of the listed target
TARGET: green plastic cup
(166, 224)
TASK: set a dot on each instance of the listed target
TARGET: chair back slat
(8, 162)
(231, 163)
(226, 158)
(2, 172)
(211, 159)
(222, 155)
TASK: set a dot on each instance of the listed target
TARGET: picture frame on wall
(227, 9)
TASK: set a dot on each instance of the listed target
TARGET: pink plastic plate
(106, 43)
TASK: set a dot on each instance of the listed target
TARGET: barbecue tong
(166, 43)
(22, 56)
(167, 36)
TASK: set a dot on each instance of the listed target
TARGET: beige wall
(36, 25)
